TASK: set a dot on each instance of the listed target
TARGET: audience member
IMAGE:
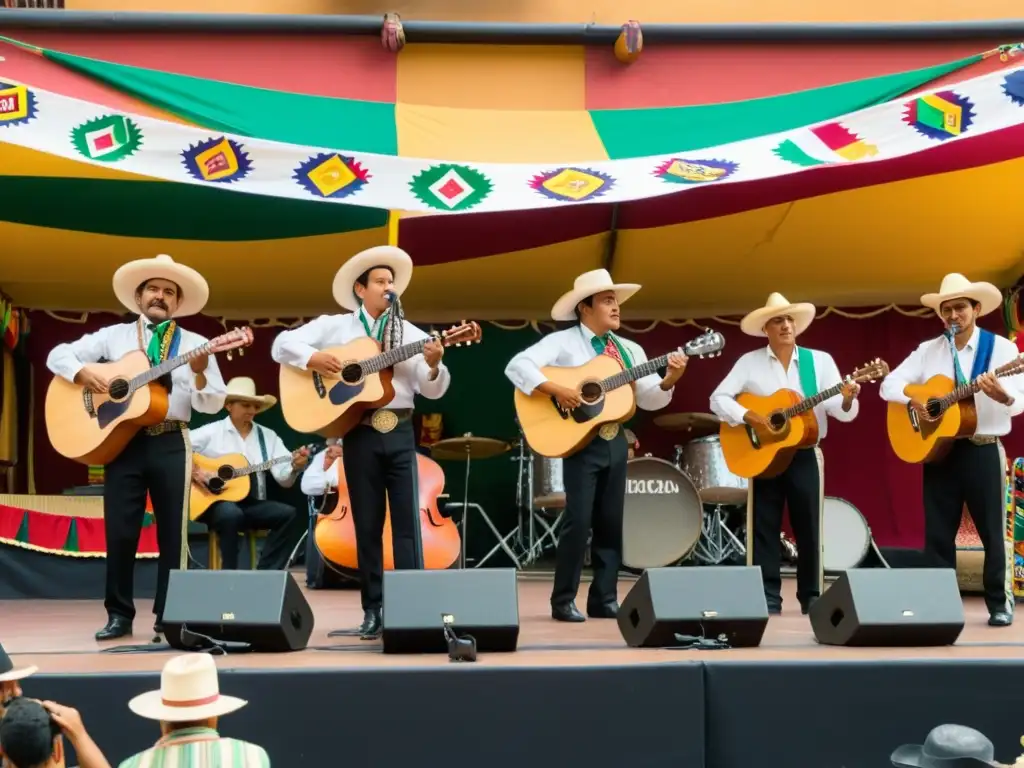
(32, 736)
(10, 679)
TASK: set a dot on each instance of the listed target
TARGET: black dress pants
(799, 488)
(973, 475)
(381, 471)
(230, 518)
(159, 465)
(595, 496)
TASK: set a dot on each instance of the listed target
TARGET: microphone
(391, 296)
(952, 331)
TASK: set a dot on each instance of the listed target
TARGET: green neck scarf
(601, 342)
(155, 349)
(377, 331)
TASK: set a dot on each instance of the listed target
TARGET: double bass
(335, 533)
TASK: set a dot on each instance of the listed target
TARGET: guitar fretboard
(378, 363)
(154, 373)
(632, 374)
(810, 402)
(971, 387)
(263, 466)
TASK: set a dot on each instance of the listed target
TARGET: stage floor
(57, 636)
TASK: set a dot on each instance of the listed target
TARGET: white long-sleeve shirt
(761, 373)
(573, 347)
(316, 481)
(219, 438)
(411, 377)
(935, 357)
(115, 341)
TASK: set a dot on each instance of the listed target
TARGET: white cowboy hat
(397, 260)
(777, 306)
(244, 388)
(188, 691)
(129, 277)
(9, 673)
(589, 284)
(956, 286)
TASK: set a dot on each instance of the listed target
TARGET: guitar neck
(254, 468)
(167, 366)
(971, 388)
(378, 363)
(810, 402)
(630, 375)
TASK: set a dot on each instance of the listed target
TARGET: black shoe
(117, 626)
(805, 608)
(1000, 619)
(608, 610)
(370, 629)
(158, 628)
(566, 612)
(774, 609)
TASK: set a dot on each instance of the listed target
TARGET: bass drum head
(663, 515)
(847, 537)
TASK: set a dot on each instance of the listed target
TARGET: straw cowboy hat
(956, 286)
(194, 290)
(243, 388)
(8, 672)
(397, 260)
(777, 306)
(590, 284)
(188, 691)
(947, 746)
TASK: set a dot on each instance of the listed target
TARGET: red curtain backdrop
(860, 467)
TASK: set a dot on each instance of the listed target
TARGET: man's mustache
(158, 303)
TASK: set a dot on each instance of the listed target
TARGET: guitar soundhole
(777, 421)
(224, 472)
(934, 408)
(352, 373)
(118, 389)
(215, 484)
(591, 392)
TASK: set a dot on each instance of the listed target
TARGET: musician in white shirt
(784, 365)
(595, 476)
(380, 452)
(238, 433)
(973, 472)
(158, 459)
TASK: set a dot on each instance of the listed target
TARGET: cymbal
(699, 424)
(457, 448)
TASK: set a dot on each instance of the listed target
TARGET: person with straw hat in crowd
(973, 472)
(10, 678)
(188, 707)
(782, 364)
(238, 433)
(158, 460)
(594, 476)
(380, 452)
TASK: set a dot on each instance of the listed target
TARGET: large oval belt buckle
(609, 431)
(384, 421)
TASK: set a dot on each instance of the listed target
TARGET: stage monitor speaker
(481, 602)
(897, 607)
(724, 603)
(264, 609)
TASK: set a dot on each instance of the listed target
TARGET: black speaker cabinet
(263, 608)
(898, 607)
(482, 602)
(723, 602)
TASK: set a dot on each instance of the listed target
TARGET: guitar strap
(261, 477)
(808, 377)
(982, 358)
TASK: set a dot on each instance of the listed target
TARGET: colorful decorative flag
(450, 187)
(829, 143)
(107, 139)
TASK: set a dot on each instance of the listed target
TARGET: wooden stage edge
(57, 636)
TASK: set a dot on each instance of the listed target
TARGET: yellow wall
(594, 11)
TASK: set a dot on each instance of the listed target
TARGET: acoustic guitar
(951, 415)
(230, 481)
(608, 396)
(93, 428)
(791, 426)
(331, 406)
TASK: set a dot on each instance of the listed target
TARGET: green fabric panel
(71, 545)
(139, 209)
(22, 535)
(318, 121)
(642, 132)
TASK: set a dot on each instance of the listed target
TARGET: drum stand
(717, 543)
(530, 545)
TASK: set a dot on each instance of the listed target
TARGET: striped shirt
(199, 748)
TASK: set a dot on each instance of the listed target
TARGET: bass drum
(847, 537)
(663, 515)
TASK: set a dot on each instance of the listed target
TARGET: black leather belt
(165, 426)
(384, 420)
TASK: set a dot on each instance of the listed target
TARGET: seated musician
(238, 433)
(784, 365)
(321, 475)
(974, 471)
(595, 476)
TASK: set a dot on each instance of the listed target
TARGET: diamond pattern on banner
(107, 139)
(686, 171)
(218, 160)
(450, 187)
(17, 104)
(572, 184)
(331, 175)
(940, 115)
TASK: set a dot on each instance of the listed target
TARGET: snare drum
(847, 537)
(548, 486)
(702, 459)
(663, 515)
